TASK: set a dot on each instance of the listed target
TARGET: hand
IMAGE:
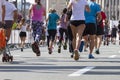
(3, 22)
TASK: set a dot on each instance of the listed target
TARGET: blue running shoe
(91, 56)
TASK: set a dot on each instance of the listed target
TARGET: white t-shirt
(23, 28)
(2, 2)
(78, 8)
(10, 8)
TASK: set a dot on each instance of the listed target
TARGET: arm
(47, 19)
(65, 19)
(44, 12)
(99, 16)
(30, 11)
(15, 15)
(69, 7)
(20, 25)
(87, 8)
(3, 13)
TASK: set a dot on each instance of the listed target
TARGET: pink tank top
(37, 14)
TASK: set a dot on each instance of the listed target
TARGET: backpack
(2, 39)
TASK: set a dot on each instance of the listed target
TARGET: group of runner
(82, 20)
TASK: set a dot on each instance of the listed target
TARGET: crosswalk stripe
(113, 56)
(81, 71)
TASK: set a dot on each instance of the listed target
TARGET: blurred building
(23, 5)
(56, 4)
(111, 8)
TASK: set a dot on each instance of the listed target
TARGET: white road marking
(81, 71)
(118, 51)
(113, 56)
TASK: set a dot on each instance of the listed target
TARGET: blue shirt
(52, 25)
(90, 17)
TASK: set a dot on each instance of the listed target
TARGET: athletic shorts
(77, 22)
(90, 29)
(8, 24)
(100, 30)
(22, 34)
(52, 34)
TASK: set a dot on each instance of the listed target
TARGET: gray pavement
(26, 66)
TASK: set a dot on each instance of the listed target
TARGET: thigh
(52, 33)
(80, 29)
(70, 35)
(61, 32)
(73, 29)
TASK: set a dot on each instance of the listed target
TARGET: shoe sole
(50, 51)
(76, 55)
(35, 49)
(97, 52)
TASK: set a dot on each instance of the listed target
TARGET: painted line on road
(118, 51)
(113, 56)
(81, 71)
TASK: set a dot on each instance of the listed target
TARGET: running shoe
(21, 49)
(91, 56)
(97, 51)
(76, 55)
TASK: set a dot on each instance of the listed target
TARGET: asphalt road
(26, 66)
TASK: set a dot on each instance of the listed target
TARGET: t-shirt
(2, 2)
(63, 24)
(90, 17)
(52, 25)
(10, 8)
(23, 28)
(78, 8)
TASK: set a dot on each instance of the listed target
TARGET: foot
(59, 49)
(91, 56)
(36, 49)
(21, 49)
(50, 50)
(85, 50)
(76, 55)
(97, 51)
(65, 46)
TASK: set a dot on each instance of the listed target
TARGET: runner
(77, 22)
(99, 32)
(10, 18)
(36, 14)
(52, 28)
(90, 21)
(62, 30)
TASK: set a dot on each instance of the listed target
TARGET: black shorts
(77, 22)
(90, 29)
(100, 30)
(22, 34)
(8, 24)
(52, 34)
